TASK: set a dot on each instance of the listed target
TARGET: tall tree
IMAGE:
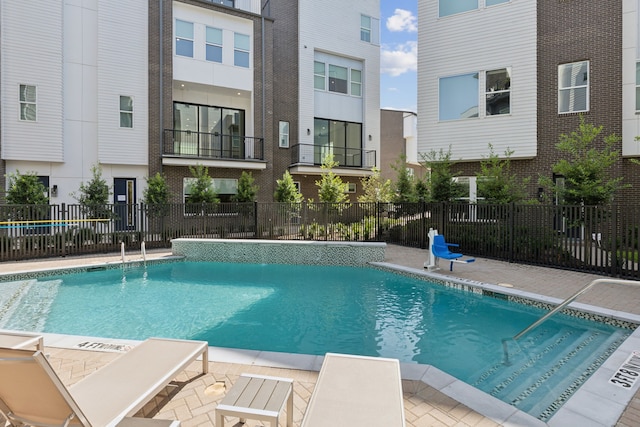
(286, 190)
(247, 189)
(331, 189)
(497, 183)
(156, 196)
(441, 182)
(375, 188)
(404, 186)
(586, 168)
(94, 195)
(202, 187)
(26, 189)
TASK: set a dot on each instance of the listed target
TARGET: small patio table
(257, 397)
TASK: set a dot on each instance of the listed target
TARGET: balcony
(252, 6)
(310, 154)
(184, 144)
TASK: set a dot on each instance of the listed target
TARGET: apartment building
(74, 94)
(327, 85)
(161, 86)
(518, 73)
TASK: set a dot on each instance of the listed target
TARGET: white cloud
(400, 59)
(402, 20)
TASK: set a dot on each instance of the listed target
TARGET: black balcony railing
(184, 143)
(311, 154)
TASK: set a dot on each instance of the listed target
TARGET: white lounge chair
(356, 391)
(31, 393)
(16, 339)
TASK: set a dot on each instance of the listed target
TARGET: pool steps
(33, 297)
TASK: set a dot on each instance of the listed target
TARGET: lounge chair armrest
(452, 244)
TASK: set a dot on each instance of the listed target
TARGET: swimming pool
(317, 309)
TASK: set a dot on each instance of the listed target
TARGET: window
(638, 86)
(450, 7)
(458, 97)
(365, 28)
(241, 50)
(214, 45)
(338, 78)
(498, 88)
(208, 131)
(356, 82)
(342, 139)
(284, 135)
(184, 38)
(350, 187)
(319, 75)
(230, 3)
(28, 103)
(573, 87)
(126, 112)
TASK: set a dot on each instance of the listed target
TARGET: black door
(124, 199)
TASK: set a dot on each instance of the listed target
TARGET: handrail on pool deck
(563, 305)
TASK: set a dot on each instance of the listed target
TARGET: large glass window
(356, 82)
(242, 47)
(28, 103)
(638, 86)
(458, 97)
(319, 75)
(341, 139)
(365, 28)
(208, 131)
(126, 112)
(495, 2)
(214, 44)
(338, 78)
(450, 7)
(498, 91)
(573, 87)
(184, 38)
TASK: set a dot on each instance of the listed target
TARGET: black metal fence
(601, 240)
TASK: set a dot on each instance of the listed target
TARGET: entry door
(124, 199)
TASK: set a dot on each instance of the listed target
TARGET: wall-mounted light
(308, 131)
(369, 137)
(54, 191)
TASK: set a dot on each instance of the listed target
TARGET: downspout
(161, 79)
(264, 104)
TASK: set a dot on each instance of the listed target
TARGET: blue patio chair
(440, 248)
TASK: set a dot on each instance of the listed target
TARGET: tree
(94, 195)
(440, 180)
(331, 189)
(247, 189)
(586, 170)
(496, 181)
(156, 196)
(405, 183)
(202, 188)
(376, 189)
(286, 190)
(26, 189)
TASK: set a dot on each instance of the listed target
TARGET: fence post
(255, 219)
(615, 265)
(512, 227)
(443, 215)
(423, 230)
(62, 214)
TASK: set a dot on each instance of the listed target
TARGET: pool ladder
(560, 307)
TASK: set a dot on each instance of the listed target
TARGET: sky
(398, 54)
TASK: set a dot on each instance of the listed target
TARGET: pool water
(319, 309)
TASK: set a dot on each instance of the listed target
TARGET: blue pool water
(319, 309)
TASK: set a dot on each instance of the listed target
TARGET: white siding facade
(488, 38)
(326, 34)
(81, 55)
(31, 54)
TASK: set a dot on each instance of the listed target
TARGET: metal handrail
(571, 299)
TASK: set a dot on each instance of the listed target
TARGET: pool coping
(595, 403)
